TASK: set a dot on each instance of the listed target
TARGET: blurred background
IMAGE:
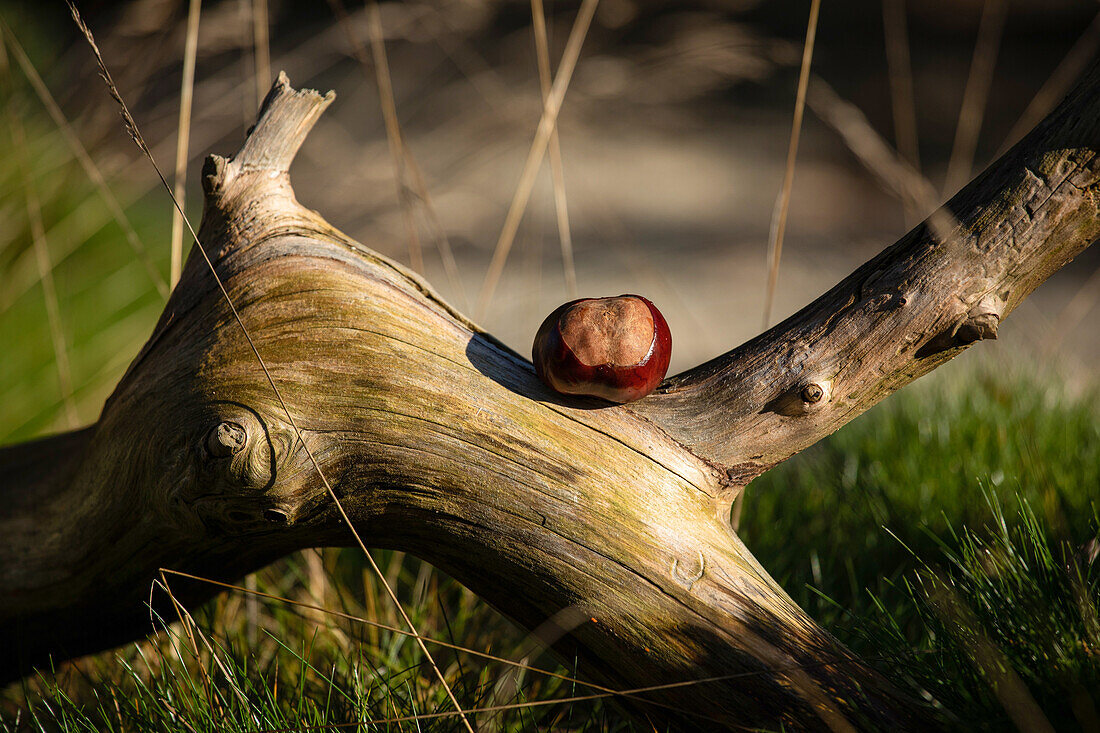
(674, 135)
(674, 138)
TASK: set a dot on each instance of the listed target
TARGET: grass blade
(85, 160)
(41, 249)
(561, 206)
(534, 158)
(976, 95)
(183, 136)
(783, 202)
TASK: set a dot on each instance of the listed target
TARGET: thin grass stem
(878, 157)
(975, 95)
(629, 693)
(393, 132)
(214, 657)
(446, 254)
(84, 220)
(1057, 85)
(1074, 312)
(81, 154)
(561, 205)
(384, 627)
(902, 96)
(783, 202)
(183, 136)
(261, 47)
(250, 100)
(546, 126)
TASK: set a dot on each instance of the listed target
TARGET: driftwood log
(440, 441)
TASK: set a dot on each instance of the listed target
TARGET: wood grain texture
(442, 442)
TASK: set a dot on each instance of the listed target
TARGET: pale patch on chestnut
(615, 348)
(616, 331)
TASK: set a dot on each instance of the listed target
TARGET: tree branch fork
(440, 441)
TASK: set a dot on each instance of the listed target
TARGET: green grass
(963, 509)
(107, 302)
(1008, 629)
(919, 465)
(297, 669)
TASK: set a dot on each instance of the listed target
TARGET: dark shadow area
(502, 365)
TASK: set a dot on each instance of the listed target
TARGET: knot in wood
(812, 393)
(982, 321)
(977, 328)
(685, 579)
(801, 398)
(225, 440)
(276, 516)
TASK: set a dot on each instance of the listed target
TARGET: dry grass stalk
(261, 47)
(561, 206)
(876, 155)
(630, 693)
(783, 201)
(252, 611)
(976, 95)
(183, 136)
(534, 158)
(189, 623)
(85, 160)
(1057, 85)
(450, 267)
(1075, 311)
(249, 590)
(247, 68)
(393, 132)
(313, 560)
(902, 96)
(782, 204)
(541, 638)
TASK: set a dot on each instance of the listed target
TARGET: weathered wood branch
(441, 441)
(906, 311)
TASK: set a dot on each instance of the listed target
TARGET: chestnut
(614, 348)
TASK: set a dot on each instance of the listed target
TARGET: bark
(440, 441)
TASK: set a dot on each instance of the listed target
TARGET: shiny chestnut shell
(615, 348)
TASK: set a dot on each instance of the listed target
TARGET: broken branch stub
(440, 441)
